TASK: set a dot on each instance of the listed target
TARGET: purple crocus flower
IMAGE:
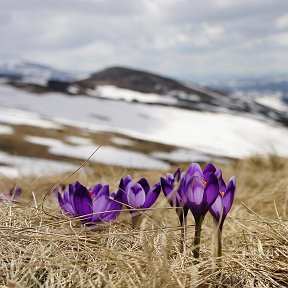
(11, 195)
(171, 189)
(138, 195)
(200, 191)
(225, 197)
(223, 202)
(93, 205)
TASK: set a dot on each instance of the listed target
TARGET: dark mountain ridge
(136, 80)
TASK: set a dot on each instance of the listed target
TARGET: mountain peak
(137, 80)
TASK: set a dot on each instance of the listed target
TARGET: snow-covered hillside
(268, 91)
(193, 124)
(32, 73)
(198, 135)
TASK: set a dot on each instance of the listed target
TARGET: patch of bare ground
(41, 247)
(17, 144)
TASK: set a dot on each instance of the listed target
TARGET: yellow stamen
(222, 193)
(204, 182)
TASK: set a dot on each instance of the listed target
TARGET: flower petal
(145, 185)
(208, 169)
(61, 202)
(95, 190)
(127, 180)
(71, 196)
(152, 195)
(177, 174)
(217, 208)
(195, 170)
(113, 208)
(229, 195)
(100, 204)
(82, 201)
(211, 192)
(170, 178)
(66, 196)
(135, 195)
(70, 209)
(166, 186)
(122, 192)
(168, 190)
(222, 185)
(195, 190)
(77, 184)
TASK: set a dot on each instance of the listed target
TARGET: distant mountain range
(262, 86)
(32, 73)
(118, 83)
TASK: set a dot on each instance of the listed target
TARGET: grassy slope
(41, 247)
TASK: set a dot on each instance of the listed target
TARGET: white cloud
(282, 22)
(212, 31)
(280, 39)
(208, 34)
(168, 36)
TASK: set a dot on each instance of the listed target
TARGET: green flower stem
(219, 241)
(183, 223)
(197, 238)
(135, 220)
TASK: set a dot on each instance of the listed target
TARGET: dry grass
(40, 247)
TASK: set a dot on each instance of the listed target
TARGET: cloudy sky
(188, 39)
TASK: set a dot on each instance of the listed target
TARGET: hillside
(136, 80)
(56, 124)
(120, 83)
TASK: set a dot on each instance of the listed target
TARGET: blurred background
(153, 82)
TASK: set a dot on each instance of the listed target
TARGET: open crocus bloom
(138, 194)
(11, 195)
(199, 190)
(171, 189)
(93, 205)
(224, 200)
(225, 197)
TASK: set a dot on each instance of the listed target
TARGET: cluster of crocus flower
(200, 191)
(98, 204)
(90, 205)
(196, 190)
(11, 195)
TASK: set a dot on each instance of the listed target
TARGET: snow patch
(109, 155)
(106, 154)
(73, 89)
(78, 140)
(181, 155)
(42, 140)
(5, 129)
(273, 101)
(122, 141)
(20, 165)
(17, 117)
(113, 92)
